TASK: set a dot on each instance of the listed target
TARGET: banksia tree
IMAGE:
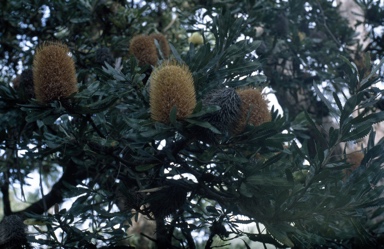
(254, 109)
(134, 146)
(144, 49)
(54, 73)
(171, 85)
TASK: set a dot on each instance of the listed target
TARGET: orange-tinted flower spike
(254, 109)
(144, 49)
(54, 73)
(171, 85)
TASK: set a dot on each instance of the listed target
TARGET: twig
(70, 176)
(89, 118)
(5, 192)
(170, 24)
(258, 229)
(326, 26)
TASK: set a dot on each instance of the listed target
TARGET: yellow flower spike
(54, 73)
(254, 109)
(171, 85)
(196, 38)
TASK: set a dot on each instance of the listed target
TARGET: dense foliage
(203, 169)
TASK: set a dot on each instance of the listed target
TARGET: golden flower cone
(171, 85)
(54, 73)
(254, 109)
(144, 49)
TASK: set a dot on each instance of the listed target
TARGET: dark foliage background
(286, 178)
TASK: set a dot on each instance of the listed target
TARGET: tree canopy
(153, 118)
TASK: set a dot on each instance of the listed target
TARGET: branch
(5, 192)
(70, 176)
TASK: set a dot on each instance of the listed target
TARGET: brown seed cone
(166, 201)
(54, 73)
(144, 49)
(164, 46)
(16, 82)
(171, 85)
(26, 86)
(355, 159)
(254, 109)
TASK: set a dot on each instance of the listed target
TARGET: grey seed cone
(230, 103)
(26, 88)
(104, 55)
(12, 233)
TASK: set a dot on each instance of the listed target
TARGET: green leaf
(363, 83)
(96, 107)
(370, 119)
(266, 180)
(205, 110)
(175, 53)
(338, 102)
(325, 100)
(318, 135)
(349, 107)
(173, 115)
(146, 167)
(279, 234)
(264, 238)
(357, 133)
(204, 124)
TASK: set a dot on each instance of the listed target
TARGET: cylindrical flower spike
(144, 49)
(196, 38)
(171, 85)
(54, 73)
(254, 109)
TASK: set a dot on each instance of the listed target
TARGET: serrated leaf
(318, 134)
(205, 110)
(96, 107)
(142, 168)
(279, 235)
(264, 238)
(203, 124)
(349, 107)
(325, 100)
(373, 72)
(357, 133)
(370, 119)
(266, 180)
